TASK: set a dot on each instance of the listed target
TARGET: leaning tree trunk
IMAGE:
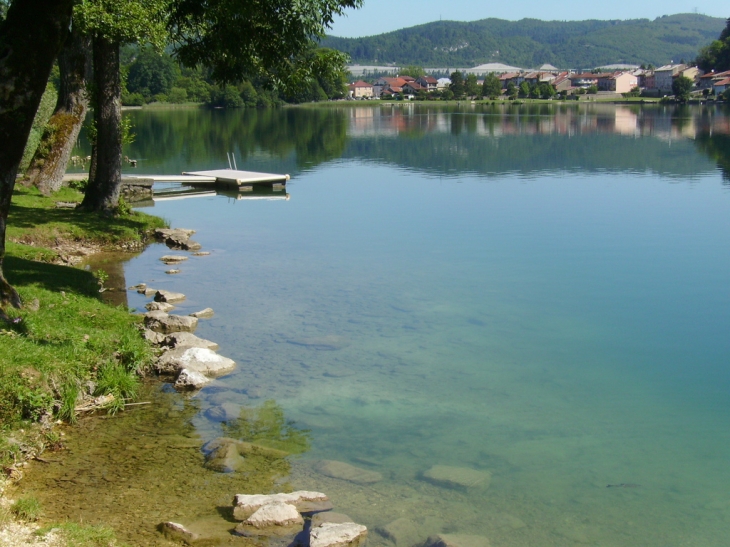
(30, 38)
(102, 193)
(52, 156)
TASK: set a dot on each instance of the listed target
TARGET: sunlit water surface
(561, 326)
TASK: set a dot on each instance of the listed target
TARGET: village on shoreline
(496, 80)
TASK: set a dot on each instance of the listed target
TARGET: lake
(532, 299)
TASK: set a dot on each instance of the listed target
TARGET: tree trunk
(50, 160)
(102, 194)
(30, 38)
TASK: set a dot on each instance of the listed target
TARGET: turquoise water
(541, 295)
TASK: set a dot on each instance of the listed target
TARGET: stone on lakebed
(458, 477)
(457, 540)
(190, 379)
(347, 472)
(173, 259)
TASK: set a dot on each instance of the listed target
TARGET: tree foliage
(681, 87)
(492, 87)
(716, 56)
(152, 73)
(237, 38)
(457, 86)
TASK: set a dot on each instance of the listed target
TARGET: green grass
(28, 509)
(78, 535)
(67, 343)
(34, 219)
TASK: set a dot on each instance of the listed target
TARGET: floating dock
(234, 177)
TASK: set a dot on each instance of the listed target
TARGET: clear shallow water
(562, 325)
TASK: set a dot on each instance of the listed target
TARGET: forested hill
(531, 42)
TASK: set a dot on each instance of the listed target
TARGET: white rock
(160, 321)
(181, 339)
(202, 360)
(191, 379)
(169, 296)
(159, 306)
(245, 505)
(275, 514)
(337, 535)
(203, 314)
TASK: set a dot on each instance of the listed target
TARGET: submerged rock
(160, 321)
(190, 379)
(402, 532)
(172, 272)
(201, 360)
(458, 477)
(457, 540)
(187, 339)
(177, 532)
(330, 517)
(226, 455)
(223, 457)
(330, 342)
(347, 472)
(245, 505)
(172, 259)
(169, 296)
(329, 534)
(226, 412)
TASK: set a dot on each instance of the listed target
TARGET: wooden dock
(234, 177)
(138, 187)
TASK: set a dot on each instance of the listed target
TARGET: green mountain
(531, 42)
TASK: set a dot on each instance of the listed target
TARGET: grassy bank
(65, 346)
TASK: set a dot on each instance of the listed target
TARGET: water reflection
(439, 141)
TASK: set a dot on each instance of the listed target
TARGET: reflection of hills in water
(437, 140)
(495, 140)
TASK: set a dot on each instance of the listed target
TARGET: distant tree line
(155, 76)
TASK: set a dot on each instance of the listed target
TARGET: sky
(379, 16)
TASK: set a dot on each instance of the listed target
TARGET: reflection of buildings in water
(625, 121)
(560, 119)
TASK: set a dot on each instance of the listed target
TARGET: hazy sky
(378, 16)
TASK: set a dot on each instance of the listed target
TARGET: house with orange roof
(360, 90)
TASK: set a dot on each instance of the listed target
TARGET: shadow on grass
(101, 227)
(22, 273)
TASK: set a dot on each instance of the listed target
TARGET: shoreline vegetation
(65, 349)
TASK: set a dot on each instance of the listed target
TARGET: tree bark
(105, 181)
(51, 159)
(30, 38)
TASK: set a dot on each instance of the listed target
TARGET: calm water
(541, 293)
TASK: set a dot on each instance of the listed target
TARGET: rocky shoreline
(297, 518)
